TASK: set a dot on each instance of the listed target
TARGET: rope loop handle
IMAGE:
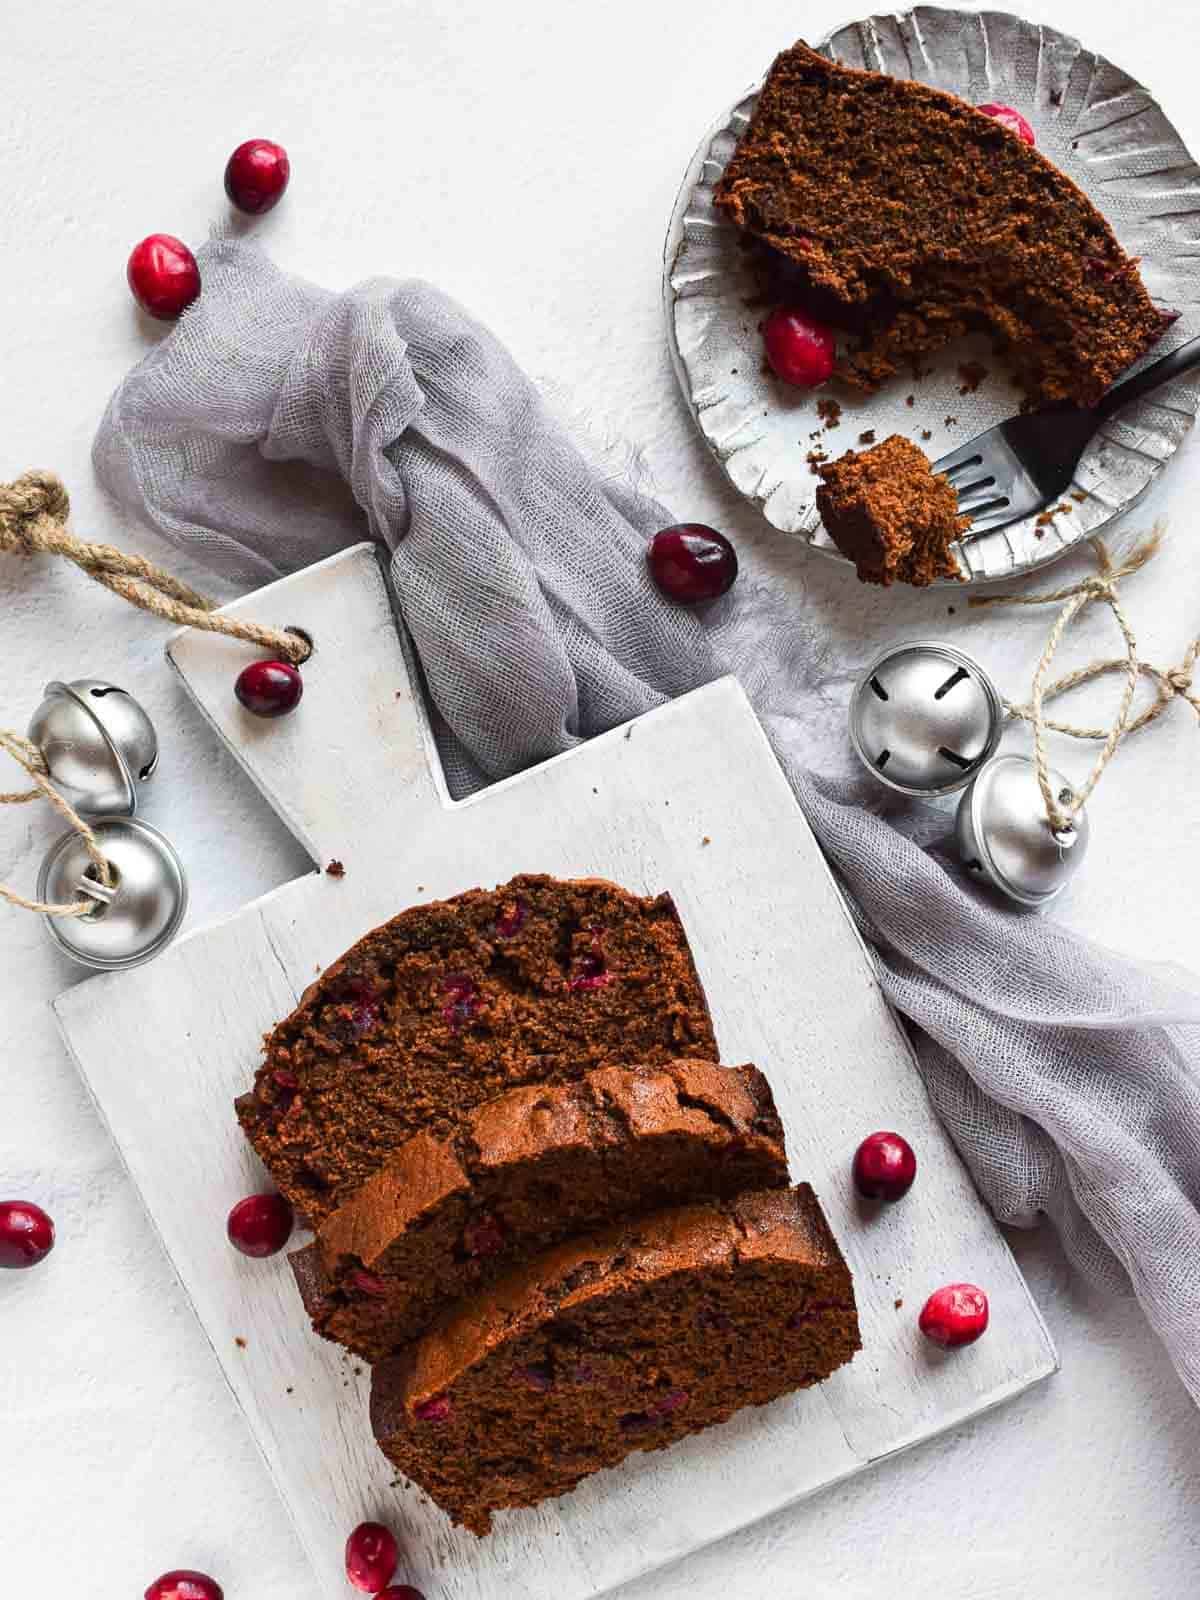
(33, 513)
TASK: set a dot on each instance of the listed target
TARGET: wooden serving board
(689, 799)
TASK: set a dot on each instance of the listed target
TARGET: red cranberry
(400, 1591)
(589, 973)
(1010, 119)
(435, 1410)
(512, 919)
(260, 1225)
(670, 1402)
(800, 350)
(368, 1283)
(269, 688)
(26, 1234)
(692, 562)
(954, 1315)
(884, 1167)
(163, 276)
(181, 1585)
(256, 175)
(464, 1000)
(371, 1556)
(484, 1236)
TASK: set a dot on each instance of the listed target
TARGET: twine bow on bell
(1062, 807)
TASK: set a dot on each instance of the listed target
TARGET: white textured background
(525, 157)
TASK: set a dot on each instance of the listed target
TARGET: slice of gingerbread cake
(446, 1216)
(922, 218)
(624, 1341)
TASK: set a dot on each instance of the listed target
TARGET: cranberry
(269, 688)
(26, 1234)
(692, 562)
(464, 1000)
(285, 1079)
(590, 973)
(1010, 119)
(371, 1556)
(180, 1585)
(163, 276)
(368, 1283)
(260, 1225)
(484, 1236)
(435, 1410)
(884, 1167)
(954, 1315)
(512, 919)
(670, 1402)
(256, 175)
(800, 350)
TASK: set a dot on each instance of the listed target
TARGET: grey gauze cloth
(1066, 1075)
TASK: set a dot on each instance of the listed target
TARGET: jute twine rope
(33, 515)
(1174, 683)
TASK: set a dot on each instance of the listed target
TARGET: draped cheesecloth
(280, 422)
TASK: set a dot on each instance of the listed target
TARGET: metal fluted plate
(1094, 122)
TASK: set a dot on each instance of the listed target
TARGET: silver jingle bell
(1006, 839)
(98, 744)
(924, 717)
(137, 916)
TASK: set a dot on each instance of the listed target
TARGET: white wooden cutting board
(687, 799)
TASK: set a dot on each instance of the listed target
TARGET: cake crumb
(829, 411)
(867, 436)
(910, 399)
(290, 1390)
(898, 1304)
(240, 1342)
(335, 869)
(951, 422)
(814, 459)
(949, 611)
(926, 434)
(972, 374)
(1080, 495)
(706, 840)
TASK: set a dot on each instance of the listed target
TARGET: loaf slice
(918, 218)
(453, 1003)
(527, 1170)
(625, 1341)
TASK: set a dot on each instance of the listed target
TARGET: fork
(1026, 463)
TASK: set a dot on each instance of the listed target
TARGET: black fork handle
(1151, 378)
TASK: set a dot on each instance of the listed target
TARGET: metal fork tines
(992, 486)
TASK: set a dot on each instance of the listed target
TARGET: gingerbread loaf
(453, 1003)
(914, 218)
(621, 1342)
(535, 1166)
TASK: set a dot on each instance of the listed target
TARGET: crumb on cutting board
(829, 411)
(335, 869)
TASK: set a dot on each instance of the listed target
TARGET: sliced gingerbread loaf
(527, 1170)
(922, 218)
(891, 513)
(624, 1341)
(451, 1004)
